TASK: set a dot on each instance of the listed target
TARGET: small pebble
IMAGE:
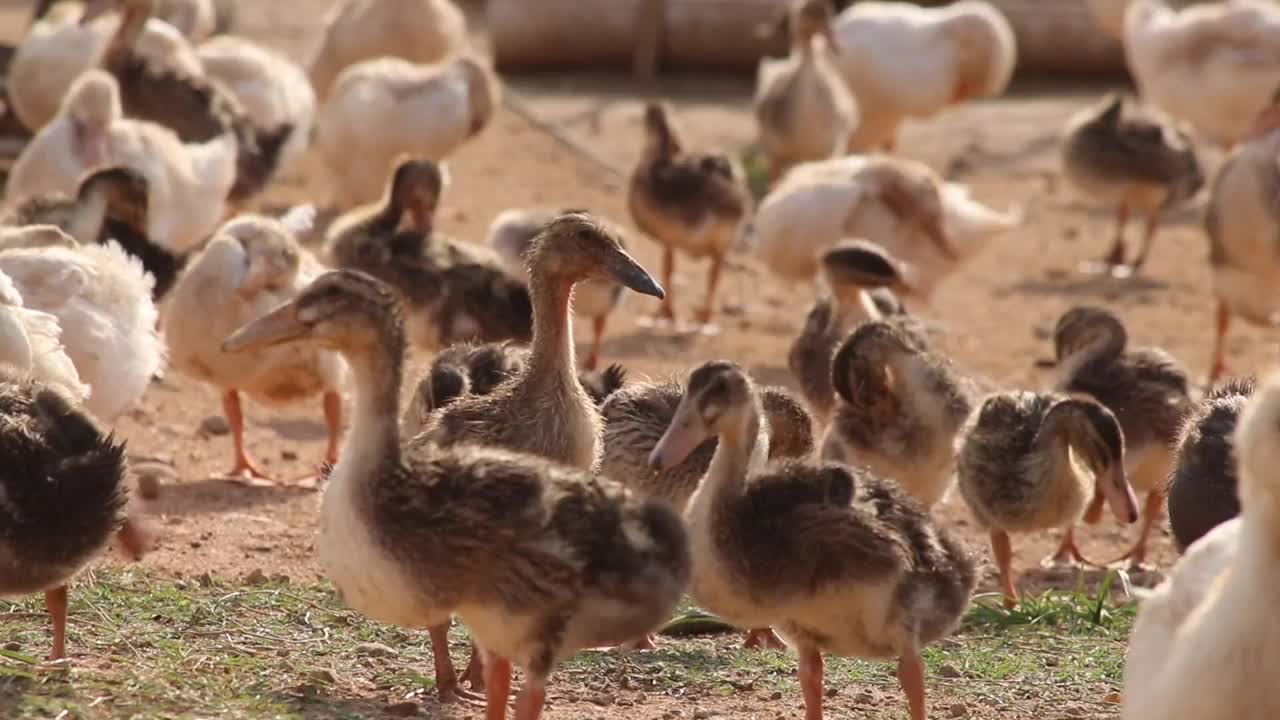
(948, 671)
(602, 699)
(324, 677)
(205, 580)
(148, 486)
(958, 710)
(215, 425)
(777, 695)
(12, 646)
(833, 691)
(256, 577)
(372, 649)
(864, 698)
(1113, 698)
(288, 455)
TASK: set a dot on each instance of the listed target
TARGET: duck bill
(94, 9)
(281, 325)
(683, 435)
(629, 272)
(1114, 485)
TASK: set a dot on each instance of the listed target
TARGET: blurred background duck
(803, 109)
(511, 234)
(850, 270)
(1203, 644)
(252, 264)
(380, 109)
(539, 560)
(1202, 488)
(1242, 221)
(65, 495)
(782, 545)
(454, 291)
(1146, 389)
(31, 343)
(1029, 461)
(686, 200)
(900, 406)
(1133, 163)
(931, 226)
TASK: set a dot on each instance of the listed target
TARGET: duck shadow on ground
(218, 495)
(1075, 284)
(647, 343)
(296, 429)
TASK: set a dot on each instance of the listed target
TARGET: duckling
(456, 291)
(803, 109)
(783, 545)
(101, 298)
(1242, 220)
(510, 235)
(900, 407)
(538, 559)
(850, 269)
(195, 108)
(685, 200)
(252, 264)
(110, 204)
(1146, 389)
(31, 344)
(558, 420)
(1134, 163)
(65, 496)
(1204, 644)
(1202, 488)
(1024, 461)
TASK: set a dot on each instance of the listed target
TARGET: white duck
(273, 90)
(251, 265)
(1213, 65)
(31, 343)
(420, 31)
(58, 48)
(1204, 646)
(101, 298)
(187, 183)
(929, 224)
(901, 60)
(381, 109)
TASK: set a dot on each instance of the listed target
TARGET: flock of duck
(554, 506)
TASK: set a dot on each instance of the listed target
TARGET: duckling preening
(685, 200)
(65, 495)
(783, 545)
(1133, 163)
(1025, 462)
(1148, 391)
(539, 560)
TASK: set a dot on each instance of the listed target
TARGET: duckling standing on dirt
(850, 270)
(1147, 391)
(1025, 462)
(900, 407)
(836, 559)
(1133, 163)
(691, 201)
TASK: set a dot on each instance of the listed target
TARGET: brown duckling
(690, 201)
(850, 269)
(65, 496)
(539, 559)
(835, 558)
(1147, 390)
(900, 408)
(510, 235)
(1133, 163)
(1202, 488)
(455, 291)
(1025, 462)
(110, 204)
(193, 107)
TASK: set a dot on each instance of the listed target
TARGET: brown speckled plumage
(1202, 487)
(900, 406)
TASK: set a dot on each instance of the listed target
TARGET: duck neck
(847, 308)
(374, 437)
(552, 355)
(89, 214)
(133, 19)
(741, 450)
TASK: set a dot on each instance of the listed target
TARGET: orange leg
(1068, 552)
(475, 672)
(1093, 513)
(1114, 256)
(55, 602)
(1219, 366)
(645, 642)
(667, 309)
(1003, 552)
(446, 679)
(1153, 221)
(243, 470)
(532, 697)
(706, 312)
(332, 421)
(498, 678)
(597, 337)
(763, 638)
(1152, 512)
(911, 678)
(811, 682)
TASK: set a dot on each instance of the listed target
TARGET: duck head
(1094, 434)
(416, 186)
(577, 246)
(717, 400)
(92, 106)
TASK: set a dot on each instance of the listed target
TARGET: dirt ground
(995, 311)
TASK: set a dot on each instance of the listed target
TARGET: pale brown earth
(996, 311)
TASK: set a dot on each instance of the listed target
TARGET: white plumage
(31, 344)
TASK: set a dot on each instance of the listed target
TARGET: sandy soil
(996, 311)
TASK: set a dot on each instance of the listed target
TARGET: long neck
(1103, 352)
(1057, 469)
(552, 327)
(132, 21)
(374, 437)
(89, 214)
(742, 449)
(847, 307)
